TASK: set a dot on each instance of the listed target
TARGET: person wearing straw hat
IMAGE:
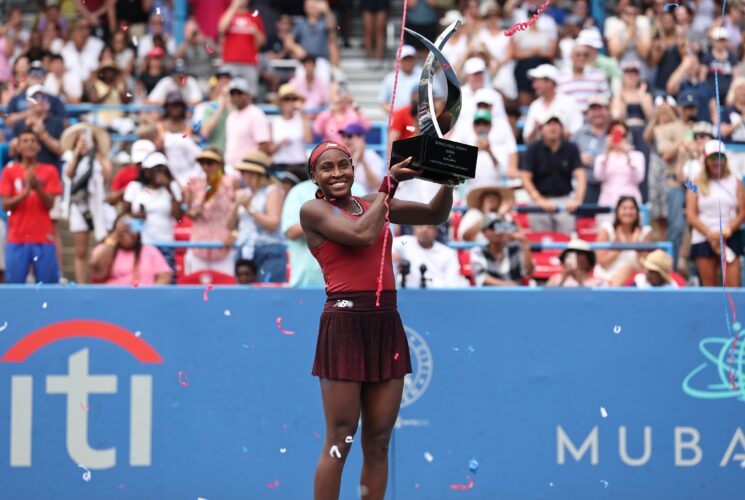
(210, 199)
(483, 199)
(255, 218)
(658, 266)
(290, 132)
(577, 262)
(506, 259)
(109, 87)
(87, 171)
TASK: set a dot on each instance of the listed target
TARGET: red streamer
(463, 486)
(530, 22)
(206, 297)
(279, 327)
(273, 485)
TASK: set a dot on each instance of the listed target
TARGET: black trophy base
(442, 161)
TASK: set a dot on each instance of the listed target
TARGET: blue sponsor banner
(161, 394)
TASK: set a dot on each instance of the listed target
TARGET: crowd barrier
(193, 392)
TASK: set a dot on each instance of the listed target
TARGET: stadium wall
(161, 394)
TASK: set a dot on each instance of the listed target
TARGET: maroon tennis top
(355, 269)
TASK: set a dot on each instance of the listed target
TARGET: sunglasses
(289, 99)
(235, 92)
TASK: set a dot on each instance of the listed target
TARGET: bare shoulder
(312, 209)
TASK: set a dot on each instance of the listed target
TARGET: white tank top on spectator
(292, 130)
(159, 223)
(181, 153)
(624, 256)
(722, 193)
(250, 234)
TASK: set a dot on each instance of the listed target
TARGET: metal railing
(667, 246)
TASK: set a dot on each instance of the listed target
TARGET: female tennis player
(362, 354)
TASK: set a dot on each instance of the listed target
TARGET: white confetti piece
(348, 439)
(604, 483)
(227, 312)
(363, 490)
(742, 464)
(134, 41)
(603, 413)
(617, 329)
(255, 13)
(4, 326)
(334, 452)
(138, 333)
(428, 456)
(44, 305)
(551, 484)
(86, 474)
(200, 498)
(411, 128)
(36, 258)
(157, 10)
(283, 450)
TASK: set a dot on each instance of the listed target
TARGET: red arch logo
(21, 350)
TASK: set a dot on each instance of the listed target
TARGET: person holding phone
(620, 170)
(577, 262)
(122, 258)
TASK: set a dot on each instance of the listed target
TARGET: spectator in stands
(108, 87)
(277, 63)
(491, 35)
(668, 49)
(149, 41)
(140, 149)
(51, 16)
(690, 160)
(46, 126)
(19, 107)
(536, 48)
(732, 126)
(690, 76)
(431, 263)
(580, 81)
(28, 189)
(369, 166)
(247, 128)
(549, 102)
(315, 34)
(718, 201)
(210, 198)
(82, 51)
(497, 156)
(620, 169)
(421, 16)
(178, 81)
(154, 71)
(456, 50)
(290, 132)
(288, 180)
(590, 140)
(658, 266)
(198, 54)
(577, 262)
(124, 57)
(592, 41)
(7, 49)
(629, 35)
(245, 272)
(243, 35)
(342, 111)
(99, 13)
(506, 259)
(87, 171)
(155, 198)
(123, 259)
(311, 87)
(255, 217)
(210, 117)
(615, 266)
(483, 200)
(408, 80)
(65, 85)
(633, 103)
(476, 94)
(549, 165)
(718, 64)
(178, 142)
(374, 16)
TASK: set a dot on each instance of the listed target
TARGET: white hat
(240, 84)
(154, 160)
(450, 17)
(35, 89)
(122, 158)
(714, 146)
(547, 71)
(408, 51)
(484, 95)
(474, 65)
(590, 37)
(720, 33)
(140, 149)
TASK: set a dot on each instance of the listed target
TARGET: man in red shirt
(28, 189)
(243, 34)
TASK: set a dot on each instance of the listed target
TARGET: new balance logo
(344, 304)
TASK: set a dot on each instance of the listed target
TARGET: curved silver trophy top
(428, 124)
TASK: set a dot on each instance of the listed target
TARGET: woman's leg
(368, 27)
(380, 404)
(734, 276)
(341, 407)
(380, 19)
(707, 270)
(81, 240)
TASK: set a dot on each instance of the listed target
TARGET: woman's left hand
(726, 232)
(402, 172)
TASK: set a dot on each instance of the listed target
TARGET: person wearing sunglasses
(716, 200)
(580, 80)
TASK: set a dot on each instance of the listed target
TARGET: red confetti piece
(463, 486)
(209, 48)
(273, 485)
(135, 284)
(125, 27)
(206, 291)
(183, 80)
(279, 327)
(395, 357)
(183, 379)
(530, 22)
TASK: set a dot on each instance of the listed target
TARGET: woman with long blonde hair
(717, 194)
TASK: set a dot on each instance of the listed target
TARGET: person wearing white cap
(580, 81)
(549, 102)
(720, 62)
(475, 76)
(130, 171)
(408, 80)
(247, 127)
(716, 199)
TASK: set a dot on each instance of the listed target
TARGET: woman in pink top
(620, 170)
(210, 200)
(341, 113)
(313, 89)
(122, 259)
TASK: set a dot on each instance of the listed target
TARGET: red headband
(322, 148)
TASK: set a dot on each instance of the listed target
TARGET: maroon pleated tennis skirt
(360, 342)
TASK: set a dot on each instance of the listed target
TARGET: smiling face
(627, 213)
(334, 174)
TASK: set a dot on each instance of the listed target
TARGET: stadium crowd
(607, 134)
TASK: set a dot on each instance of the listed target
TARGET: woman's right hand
(403, 172)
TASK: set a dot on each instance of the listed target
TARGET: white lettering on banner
(738, 438)
(692, 444)
(563, 441)
(622, 451)
(77, 385)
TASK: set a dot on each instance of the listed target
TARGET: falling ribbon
(183, 378)
(273, 485)
(3, 327)
(530, 22)
(209, 48)
(279, 327)
(334, 452)
(205, 295)
(86, 474)
(463, 486)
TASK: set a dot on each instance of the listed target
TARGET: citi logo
(77, 385)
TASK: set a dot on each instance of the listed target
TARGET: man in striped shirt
(581, 81)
